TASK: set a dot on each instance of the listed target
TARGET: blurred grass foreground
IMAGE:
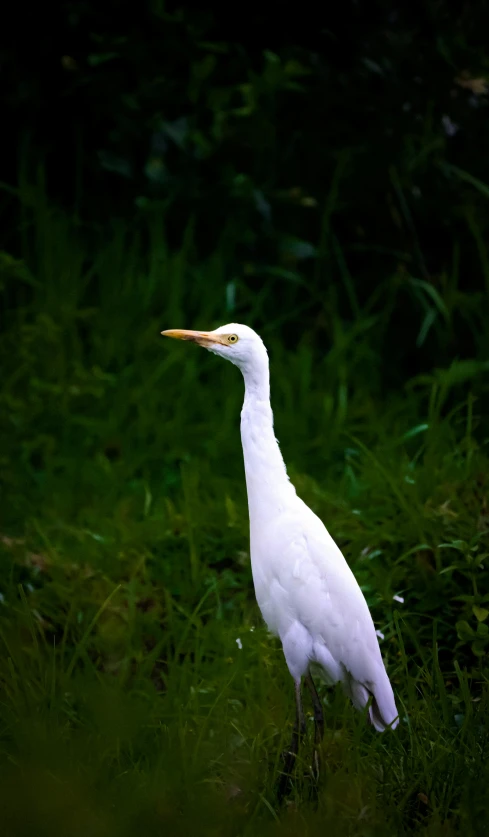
(140, 692)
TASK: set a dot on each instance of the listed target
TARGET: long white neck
(267, 482)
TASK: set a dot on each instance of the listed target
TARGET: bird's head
(237, 343)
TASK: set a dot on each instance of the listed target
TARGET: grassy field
(128, 706)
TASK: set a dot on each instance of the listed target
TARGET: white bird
(306, 591)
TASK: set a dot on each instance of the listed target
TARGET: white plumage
(306, 591)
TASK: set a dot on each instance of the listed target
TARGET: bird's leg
(318, 720)
(318, 709)
(291, 753)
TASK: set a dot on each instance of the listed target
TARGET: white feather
(305, 589)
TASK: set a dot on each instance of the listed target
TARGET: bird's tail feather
(382, 711)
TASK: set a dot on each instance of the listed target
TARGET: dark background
(310, 147)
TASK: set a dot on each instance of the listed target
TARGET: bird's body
(306, 592)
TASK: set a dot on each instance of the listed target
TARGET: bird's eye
(233, 338)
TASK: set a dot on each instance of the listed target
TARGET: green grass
(127, 706)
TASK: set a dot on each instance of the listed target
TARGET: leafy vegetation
(329, 188)
(338, 164)
(128, 701)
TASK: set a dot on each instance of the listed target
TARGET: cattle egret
(305, 589)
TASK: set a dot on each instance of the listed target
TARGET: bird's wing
(301, 578)
(324, 595)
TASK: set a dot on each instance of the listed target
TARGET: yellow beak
(203, 338)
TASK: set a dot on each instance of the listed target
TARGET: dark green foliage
(313, 185)
(125, 575)
(339, 162)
